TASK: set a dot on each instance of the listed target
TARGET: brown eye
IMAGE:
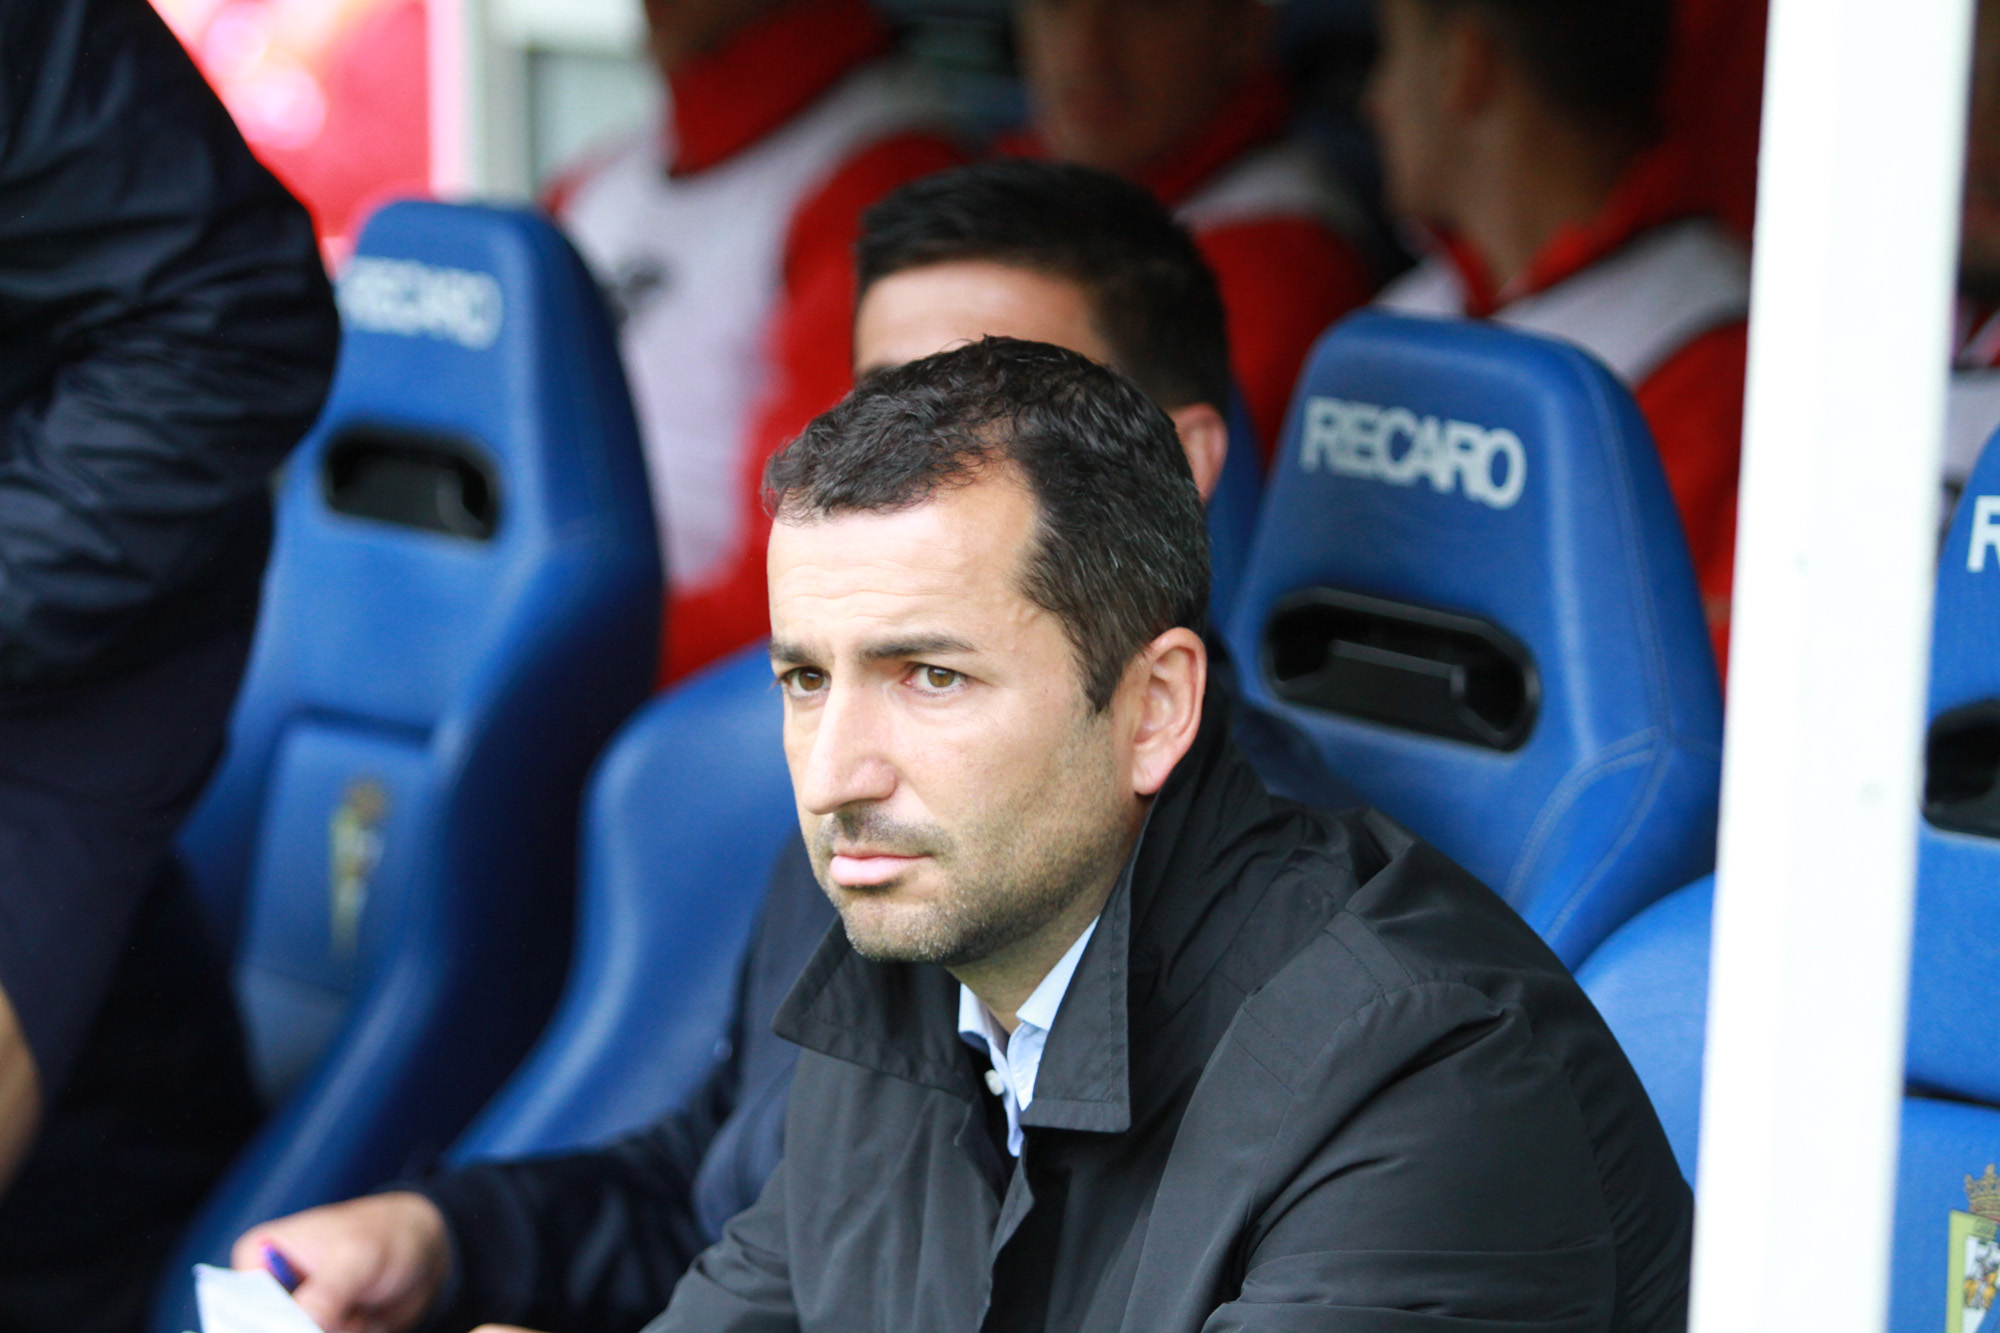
(938, 678)
(805, 680)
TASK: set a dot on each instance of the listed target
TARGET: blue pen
(281, 1268)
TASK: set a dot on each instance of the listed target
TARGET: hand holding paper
(375, 1262)
(247, 1302)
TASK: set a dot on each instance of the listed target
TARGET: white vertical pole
(478, 104)
(1850, 317)
(449, 100)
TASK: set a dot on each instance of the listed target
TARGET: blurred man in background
(1524, 138)
(166, 335)
(723, 239)
(594, 1242)
(1180, 96)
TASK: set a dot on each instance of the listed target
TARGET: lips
(861, 869)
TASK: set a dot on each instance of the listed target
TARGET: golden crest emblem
(1975, 1255)
(354, 849)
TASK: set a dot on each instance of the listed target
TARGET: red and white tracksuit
(1271, 222)
(725, 243)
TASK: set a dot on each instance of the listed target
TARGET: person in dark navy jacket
(167, 334)
(593, 1242)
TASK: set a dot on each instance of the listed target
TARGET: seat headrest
(477, 451)
(1954, 1045)
(1965, 660)
(1470, 584)
(471, 319)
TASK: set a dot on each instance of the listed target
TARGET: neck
(1536, 173)
(1003, 981)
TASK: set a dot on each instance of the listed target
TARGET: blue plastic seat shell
(439, 694)
(1575, 550)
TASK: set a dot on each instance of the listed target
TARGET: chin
(892, 933)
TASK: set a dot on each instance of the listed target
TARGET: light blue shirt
(1017, 1056)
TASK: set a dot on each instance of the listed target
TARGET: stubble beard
(998, 885)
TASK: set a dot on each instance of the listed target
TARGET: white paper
(248, 1302)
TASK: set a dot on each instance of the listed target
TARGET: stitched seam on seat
(1635, 748)
(1645, 612)
(1648, 798)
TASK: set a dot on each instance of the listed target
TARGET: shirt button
(994, 1083)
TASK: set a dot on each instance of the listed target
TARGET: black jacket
(593, 1242)
(166, 335)
(1308, 1075)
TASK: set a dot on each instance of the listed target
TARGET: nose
(841, 751)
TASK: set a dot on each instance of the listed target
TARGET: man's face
(679, 30)
(955, 790)
(1407, 101)
(1979, 237)
(1119, 84)
(919, 311)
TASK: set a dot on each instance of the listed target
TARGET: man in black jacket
(593, 1242)
(166, 335)
(1111, 1038)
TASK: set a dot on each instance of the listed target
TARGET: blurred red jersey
(723, 242)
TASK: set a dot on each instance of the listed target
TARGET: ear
(1205, 436)
(1172, 674)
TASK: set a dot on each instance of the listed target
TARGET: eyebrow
(920, 645)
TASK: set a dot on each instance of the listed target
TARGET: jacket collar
(730, 98)
(1155, 943)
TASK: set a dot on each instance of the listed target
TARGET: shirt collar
(1039, 1009)
(725, 100)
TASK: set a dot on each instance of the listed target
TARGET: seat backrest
(1650, 982)
(462, 605)
(1954, 1042)
(1232, 512)
(686, 813)
(1469, 587)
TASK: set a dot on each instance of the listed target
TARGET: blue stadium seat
(1955, 1043)
(1650, 982)
(1470, 589)
(462, 605)
(686, 814)
(1650, 979)
(1232, 512)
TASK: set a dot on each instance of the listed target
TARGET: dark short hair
(1602, 60)
(1120, 551)
(1151, 294)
